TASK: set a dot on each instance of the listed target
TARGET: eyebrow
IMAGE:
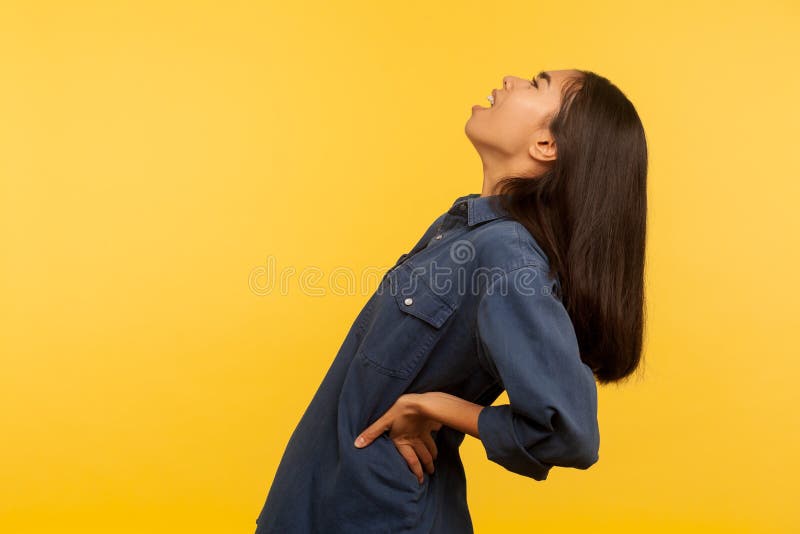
(545, 76)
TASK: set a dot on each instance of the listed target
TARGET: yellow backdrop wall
(156, 158)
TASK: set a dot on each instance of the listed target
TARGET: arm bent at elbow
(527, 342)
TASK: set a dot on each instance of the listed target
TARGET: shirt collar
(479, 209)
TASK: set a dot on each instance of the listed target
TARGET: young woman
(534, 286)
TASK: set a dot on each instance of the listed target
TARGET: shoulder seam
(536, 248)
(528, 264)
(516, 254)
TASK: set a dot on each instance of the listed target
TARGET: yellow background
(154, 155)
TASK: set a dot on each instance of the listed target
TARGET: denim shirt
(470, 311)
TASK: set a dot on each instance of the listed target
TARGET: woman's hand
(410, 431)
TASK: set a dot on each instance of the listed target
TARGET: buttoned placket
(459, 210)
(456, 218)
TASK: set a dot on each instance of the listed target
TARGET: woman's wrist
(447, 409)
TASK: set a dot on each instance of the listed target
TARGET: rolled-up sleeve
(528, 343)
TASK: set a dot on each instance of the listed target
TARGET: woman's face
(516, 126)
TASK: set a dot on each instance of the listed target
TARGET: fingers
(418, 456)
(424, 455)
(410, 455)
(431, 444)
(371, 433)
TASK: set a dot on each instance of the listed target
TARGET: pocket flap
(416, 298)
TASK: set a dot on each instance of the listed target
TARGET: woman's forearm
(449, 410)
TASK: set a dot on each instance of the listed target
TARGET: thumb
(370, 434)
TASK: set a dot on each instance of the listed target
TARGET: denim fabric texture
(470, 311)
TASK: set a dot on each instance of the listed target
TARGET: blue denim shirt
(469, 311)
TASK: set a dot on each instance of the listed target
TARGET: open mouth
(492, 98)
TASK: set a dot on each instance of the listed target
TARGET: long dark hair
(588, 213)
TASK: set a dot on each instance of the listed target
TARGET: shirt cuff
(502, 446)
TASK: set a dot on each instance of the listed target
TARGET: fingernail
(359, 441)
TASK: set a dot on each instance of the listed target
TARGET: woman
(534, 286)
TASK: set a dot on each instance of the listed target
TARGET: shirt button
(438, 236)
(409, 301)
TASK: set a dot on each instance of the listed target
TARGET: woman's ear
(543, 147)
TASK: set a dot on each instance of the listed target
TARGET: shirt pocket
(406, 323)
